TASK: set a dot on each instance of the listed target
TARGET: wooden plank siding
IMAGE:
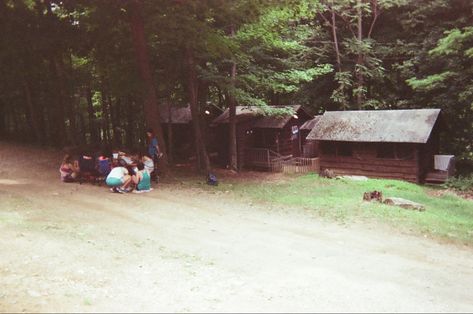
(364, 161)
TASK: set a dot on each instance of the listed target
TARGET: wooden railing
(300, 165)
(263, 158)
(257, 157)
(266, 159)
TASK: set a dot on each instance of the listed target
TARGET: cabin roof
(398, 126)
(179, 115)
(310, 124)
(241, 112)
(263, 122)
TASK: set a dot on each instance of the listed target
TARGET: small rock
(34, 294)
(327, 173)
(397, 201)
(355, 178)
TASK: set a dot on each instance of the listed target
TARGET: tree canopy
(71, 72)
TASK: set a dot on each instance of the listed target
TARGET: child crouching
(142, 179)
(119, 179)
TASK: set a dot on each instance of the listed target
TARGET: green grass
(447, 217)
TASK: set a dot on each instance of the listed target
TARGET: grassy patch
(447, 216)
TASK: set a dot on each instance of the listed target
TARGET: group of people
(122, 172)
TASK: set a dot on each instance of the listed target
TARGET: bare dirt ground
(80, 248)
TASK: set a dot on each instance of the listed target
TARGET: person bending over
(119, 179)
(142, 179)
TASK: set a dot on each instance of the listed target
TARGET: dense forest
(84, 72)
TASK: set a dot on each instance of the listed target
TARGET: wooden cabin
(261, 138)
(396, 144)
(177, 129)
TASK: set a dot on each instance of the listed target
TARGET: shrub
(461, 183)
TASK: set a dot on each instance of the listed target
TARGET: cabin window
(344, 149)
(328, 148)
(404, 152)
(386, 151)
(395, 151)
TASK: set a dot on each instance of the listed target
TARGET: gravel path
(71, 248)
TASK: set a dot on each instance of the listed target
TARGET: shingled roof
(310, 124)
(263, 122)
(397, 126)
(241, 112)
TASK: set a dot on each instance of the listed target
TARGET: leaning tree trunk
(232, 149)
(201, 150)
(151, 110)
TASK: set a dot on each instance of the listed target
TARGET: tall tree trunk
(335, 40)
(91, 117)
(67, 99)
(151, 109)
(129, 122)
(232, 136)
(113, 121)
(360, 59)
(116, 122)
(3, 118)
(58, 126)
(82, 138)
(192, 88)
(31, 112)
(170, 135)
(16, 130)
(57, 112)
(105, 119)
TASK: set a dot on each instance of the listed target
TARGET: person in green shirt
(142, 179)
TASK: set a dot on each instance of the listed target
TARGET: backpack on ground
(212, 179)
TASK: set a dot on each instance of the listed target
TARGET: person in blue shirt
(153, 150)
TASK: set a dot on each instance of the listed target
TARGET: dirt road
(65, 247)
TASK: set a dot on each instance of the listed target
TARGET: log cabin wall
(280, 140)
(221, 144)
(378, 160)
(244, 140)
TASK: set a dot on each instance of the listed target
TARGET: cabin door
(296, 141)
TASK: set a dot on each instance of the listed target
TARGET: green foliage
(411, 54)
(453, 42)
(461, 183)
(430, 82)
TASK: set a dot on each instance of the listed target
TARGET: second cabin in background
(261, 138)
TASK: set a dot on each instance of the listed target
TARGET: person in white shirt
(119, 179)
